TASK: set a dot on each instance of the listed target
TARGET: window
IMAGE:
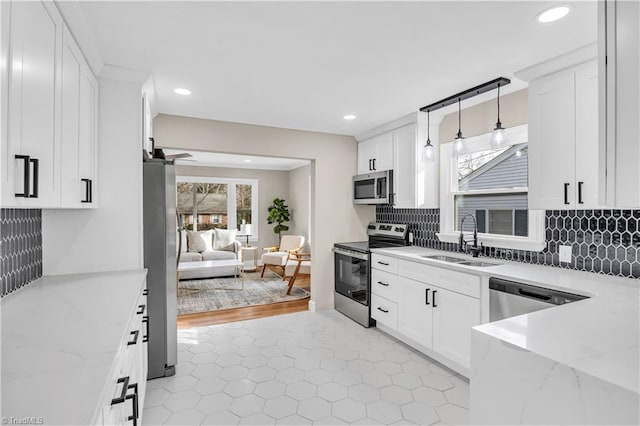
(489, 186)
(206, 203)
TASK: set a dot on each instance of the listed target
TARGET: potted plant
(278, 214)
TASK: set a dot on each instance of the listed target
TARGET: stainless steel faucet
(463, 244)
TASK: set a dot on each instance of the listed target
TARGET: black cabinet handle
(566, 193)
(145, 292)
(426, 296)
(433, 298)
(383, 310)
(384, 284)
(370, 168)
(374, 164)
(580, 192)
(135, 338)
(87, 198)
(134, 403)
(145, 321)
(27, 176)
(383, 263)
(36, 168)
(140, 310)
(125, 386)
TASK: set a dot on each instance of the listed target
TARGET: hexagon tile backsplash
(20, 248)
(603, 241)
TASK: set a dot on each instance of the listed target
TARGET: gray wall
(271, 184)
(299, 199)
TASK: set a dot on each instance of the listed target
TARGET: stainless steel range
(353, 271)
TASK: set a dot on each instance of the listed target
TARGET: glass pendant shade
(428, 152)
(458, 144)
(499, 137)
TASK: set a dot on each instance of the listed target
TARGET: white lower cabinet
(124, 393)
(434, 310)
(453, 316)
(415, 317)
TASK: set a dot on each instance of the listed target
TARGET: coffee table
(209, 268)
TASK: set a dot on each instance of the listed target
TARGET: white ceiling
(214, 159)
(304, 65)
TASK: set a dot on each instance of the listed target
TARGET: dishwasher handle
(534, 295)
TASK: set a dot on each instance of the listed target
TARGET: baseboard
(312, 306)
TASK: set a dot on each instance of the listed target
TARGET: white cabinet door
(33, 112)
(405, 174)
(88, 138)
(70, 124)
(383, 159)
(453, 316)
(586, 151)
(414, 311)
(367, 151)
(552, 141)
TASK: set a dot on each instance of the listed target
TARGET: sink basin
(457, 260)
(442, 258)
(477, 263)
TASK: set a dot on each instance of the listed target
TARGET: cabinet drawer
(384, 284)
(459, 282)
(384, 263)
(384, 311)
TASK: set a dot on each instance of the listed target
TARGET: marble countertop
(60, 336)
(598, 336)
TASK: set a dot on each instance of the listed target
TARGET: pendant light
(428, 151)
(499, 136)
(458, 142)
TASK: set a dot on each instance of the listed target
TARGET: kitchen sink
(442, 258)
(458, 261)
(477, 263)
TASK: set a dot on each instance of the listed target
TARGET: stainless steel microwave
(373, 188)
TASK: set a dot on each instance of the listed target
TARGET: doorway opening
(245, 236)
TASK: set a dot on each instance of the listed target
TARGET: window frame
(449, 189)
(231, 199)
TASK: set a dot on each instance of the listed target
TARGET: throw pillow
(200, 241)
(223, 239)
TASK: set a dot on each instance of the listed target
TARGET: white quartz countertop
(60, 336)
(598, 336)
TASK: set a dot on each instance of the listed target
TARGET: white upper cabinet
(397, 146)
(78, 141)
(375, 154)
(563, 134)
(49, 110)
(619, 91)
(31, 152)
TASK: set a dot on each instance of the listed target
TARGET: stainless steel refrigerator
(160, 258)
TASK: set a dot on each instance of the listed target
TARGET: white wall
(271, 184)
(110, 237)
(334, 216)
(299, 203)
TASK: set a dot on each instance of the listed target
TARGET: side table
(253, 258)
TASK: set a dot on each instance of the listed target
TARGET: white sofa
(209, 254)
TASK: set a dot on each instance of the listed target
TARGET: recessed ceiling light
(349, 117)
(553, 14)
(247, 161)
(181, 91)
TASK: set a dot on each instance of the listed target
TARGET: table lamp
(245, 231)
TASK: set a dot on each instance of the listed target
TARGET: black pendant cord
(498, 124)
(428, 128)
(459, 135)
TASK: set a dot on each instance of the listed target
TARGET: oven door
(352, 275)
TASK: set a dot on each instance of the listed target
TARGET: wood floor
(250, 312)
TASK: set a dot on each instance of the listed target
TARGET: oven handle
(356, 255)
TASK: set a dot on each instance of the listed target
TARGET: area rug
(207, 295)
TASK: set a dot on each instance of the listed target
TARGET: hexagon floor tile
(303, 368)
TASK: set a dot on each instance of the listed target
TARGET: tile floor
(301, 369)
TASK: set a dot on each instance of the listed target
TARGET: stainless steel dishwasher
(509, 298)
